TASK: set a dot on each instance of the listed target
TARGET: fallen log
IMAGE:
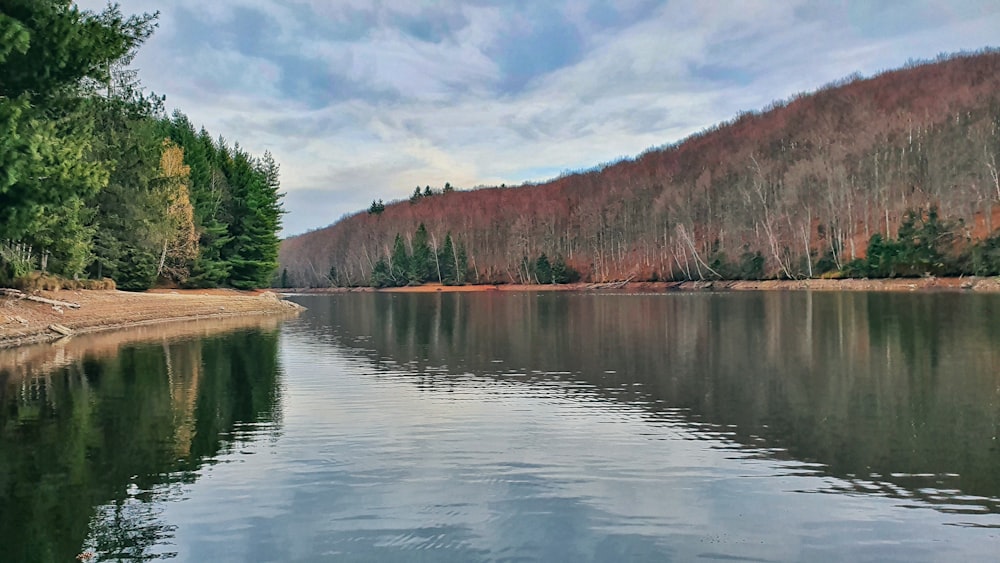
(22, 295)
(611, 285)
(60, 329)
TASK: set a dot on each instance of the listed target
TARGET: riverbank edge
(24, 322)
(963, 284)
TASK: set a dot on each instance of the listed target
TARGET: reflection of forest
(897, 389)
(85, 446)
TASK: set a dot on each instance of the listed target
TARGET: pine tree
(400, 263)
(422, 259)
(461, 264)
(50, 54)
(446, 261)
(562, 273)
(543, 270)
(208, 192)
(381, 276)
(256, 217)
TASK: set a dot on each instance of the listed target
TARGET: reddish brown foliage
(815, 176)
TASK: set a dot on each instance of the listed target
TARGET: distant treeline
(905, 162)
(96, 181)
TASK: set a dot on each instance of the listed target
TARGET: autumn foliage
(797, 190)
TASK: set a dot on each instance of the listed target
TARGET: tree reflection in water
(894, 393)
(88, 449)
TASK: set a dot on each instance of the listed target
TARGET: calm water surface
(521, 427)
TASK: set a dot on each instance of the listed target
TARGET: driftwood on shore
(60, 329)
(611, 285)
(22, 295)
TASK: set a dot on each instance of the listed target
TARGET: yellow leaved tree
(180, 238)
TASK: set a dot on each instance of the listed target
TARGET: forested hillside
(894, 175)
(96, 181)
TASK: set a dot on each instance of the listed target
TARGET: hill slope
(794, 191)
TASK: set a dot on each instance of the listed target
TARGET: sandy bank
(987, 285)
(24, 322)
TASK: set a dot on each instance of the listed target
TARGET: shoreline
(18, 363)
(963, 284)
(25, 322)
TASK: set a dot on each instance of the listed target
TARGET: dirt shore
(23, 321)
(987, 285)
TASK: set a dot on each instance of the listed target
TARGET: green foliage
(16, 261)
(255, 209)
(826, 263)
(543, 270)
(461, 265)
(751, 266)
(449, 265)
(399, 271)
(924, 244)
(51, 57)
(136, 271)
(209, 196)
(563, 273)
(376, 208)
(381, 275)
(446, 262)
(132, 218)
(923, 247)
(421, 263)
(72, 449)
(984, 257)
(80, 149)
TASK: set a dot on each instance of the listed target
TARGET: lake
(756, 426)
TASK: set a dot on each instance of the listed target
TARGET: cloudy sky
(366, 99)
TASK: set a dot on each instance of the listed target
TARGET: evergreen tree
(86, 178)
(50, 54)
(400, 263)
(446, 261)
(422, 259)
(543, 270)
(256, 212)
(461, 264)
(381, 275)
(562, 273)
(131, 222)
(210, 197)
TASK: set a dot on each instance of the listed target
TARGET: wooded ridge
(894, 175)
